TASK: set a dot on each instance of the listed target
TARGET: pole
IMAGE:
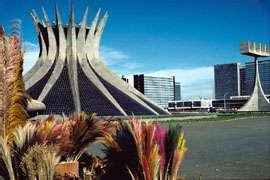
(224, 100)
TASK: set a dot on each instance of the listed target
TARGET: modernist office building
(177, 94)
(243, 89)
(70, 76)
(227, 80)
(158, 89)
(238, 79)
(264, 70)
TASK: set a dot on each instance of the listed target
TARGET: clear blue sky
(184, 38)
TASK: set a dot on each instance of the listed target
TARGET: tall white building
(158, 89)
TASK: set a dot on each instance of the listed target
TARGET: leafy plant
(122, 159)
(6, 169)
(72, 136)
(13, 101)
(39, 162)
(143, 150)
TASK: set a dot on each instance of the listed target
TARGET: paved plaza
(228, 149)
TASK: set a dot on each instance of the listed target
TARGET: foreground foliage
(39, 146)
(13, 101)
(143, 150)
(39, 149)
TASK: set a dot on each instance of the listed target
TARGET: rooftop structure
(70, 76)
(254, 49)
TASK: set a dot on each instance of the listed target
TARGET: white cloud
(112, 56)
(29, 46)
(131, 66)
(30, 55)
(196, 82)
(186, 76)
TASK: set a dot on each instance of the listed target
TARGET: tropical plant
(39, 162)
(6, 169)
(71, 136)
(143, 150)
(13, 101)
(121, 155)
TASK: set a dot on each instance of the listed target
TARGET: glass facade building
(159, 89)
(235, 79)
(264, 70)
(227, 81)
(177, 91)
(243, 89)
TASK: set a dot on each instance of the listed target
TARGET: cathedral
(69, 75)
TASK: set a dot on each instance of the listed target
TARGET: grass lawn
(211, 117)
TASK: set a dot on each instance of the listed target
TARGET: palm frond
(17, 112)
(178, 155)
(159, 151)
(174, 149)
(160, 140)
(122, 160)
(5, 156)
(10, 73)
(85, 130)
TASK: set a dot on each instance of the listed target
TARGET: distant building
(190, 105)
(264, 70)
(227, 81)
(238, 79)
(243, 89)
(124, 78)
(177, 93)
(158, 89)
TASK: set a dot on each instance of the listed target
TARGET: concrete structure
(237, 79)
(264, 71)
(70, 76)
(190, 105)
(258, 100)
(158, 89)
(230, 104)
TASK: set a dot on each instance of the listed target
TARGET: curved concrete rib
(71, 60)
(43, 54)
(46, 17)
(58, 16)
(93, 43)
(81, 52)
(42, 71)
(84, 19)
(52, 40)
(94, 60)
(60, 59)
(93, 27)
(257, 101)
(115, 81)
(101, 26)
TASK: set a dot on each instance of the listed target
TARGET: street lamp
(224, 100)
